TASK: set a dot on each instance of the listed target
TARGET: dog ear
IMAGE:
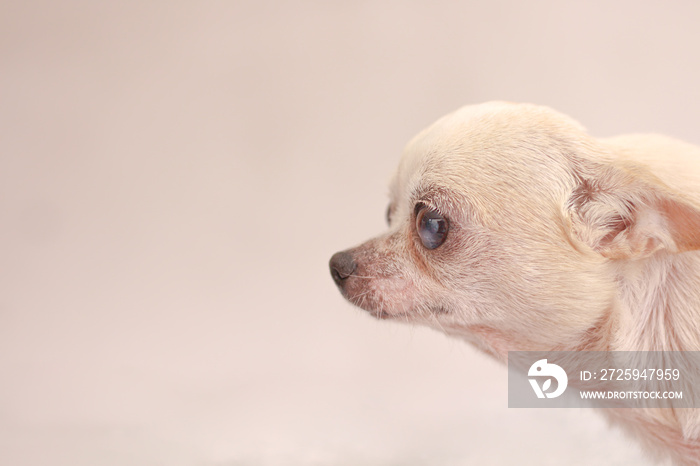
(623, 212)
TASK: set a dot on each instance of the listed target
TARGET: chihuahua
(513, 229)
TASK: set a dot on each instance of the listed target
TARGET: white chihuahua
(512, 228)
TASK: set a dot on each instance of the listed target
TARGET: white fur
(556, 241)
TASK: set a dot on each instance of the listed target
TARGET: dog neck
(656, 308)
(658, 303)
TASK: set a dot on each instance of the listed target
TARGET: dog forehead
(448, 135)
(489, 144)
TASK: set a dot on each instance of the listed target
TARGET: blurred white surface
(175, 176)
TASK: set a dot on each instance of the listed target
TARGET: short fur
(556, 241)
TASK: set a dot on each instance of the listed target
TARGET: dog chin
(378, 310)
(383, 315)
(378, 307)
(384, 311)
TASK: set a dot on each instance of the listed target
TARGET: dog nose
(342, 266)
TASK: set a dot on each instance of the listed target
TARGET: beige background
(175, 176)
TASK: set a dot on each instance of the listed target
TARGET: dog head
(507, 223)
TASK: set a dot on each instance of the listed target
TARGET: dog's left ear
(624, 212)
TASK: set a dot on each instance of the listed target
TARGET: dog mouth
(383, 296)
(381, 314)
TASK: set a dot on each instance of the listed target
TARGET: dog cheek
(383, 282)
(394, 296)
(382, 294)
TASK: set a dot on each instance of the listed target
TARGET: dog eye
(388, 215)
(431, 226)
